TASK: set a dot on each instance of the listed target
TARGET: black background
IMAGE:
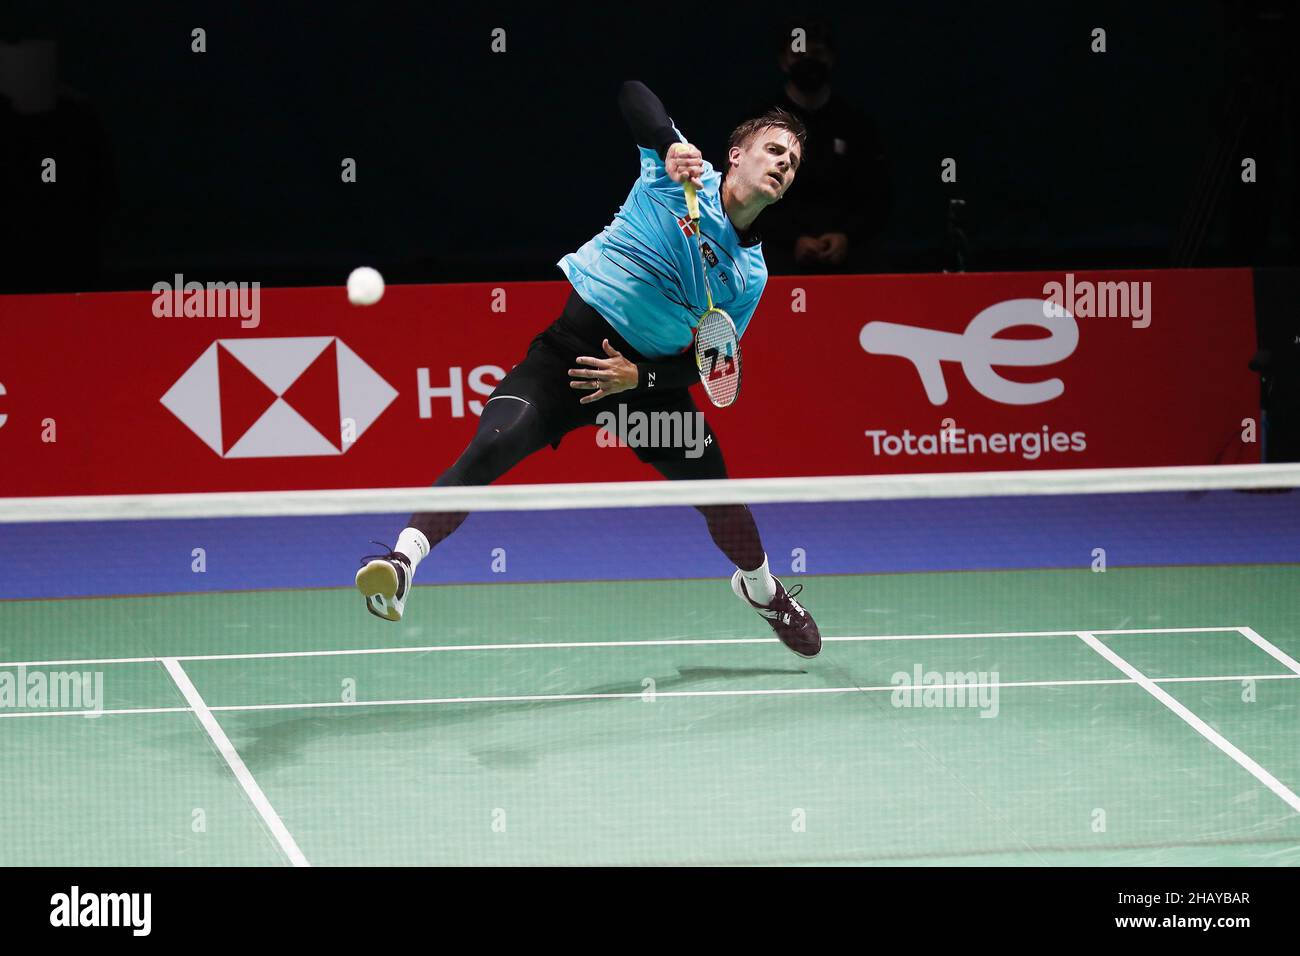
(472, 165)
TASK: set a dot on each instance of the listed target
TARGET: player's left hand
(607, 376)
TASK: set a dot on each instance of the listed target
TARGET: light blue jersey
(643, 271)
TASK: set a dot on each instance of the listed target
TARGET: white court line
(570, 645)
(98, 713)
(1272, 650)
(1196, 723)
(236, 762)
(633, 695)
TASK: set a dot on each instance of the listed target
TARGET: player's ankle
(760, 584)
(413, 546)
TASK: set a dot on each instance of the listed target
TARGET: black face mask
(809, 75)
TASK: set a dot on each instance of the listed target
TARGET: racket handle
(692, 201)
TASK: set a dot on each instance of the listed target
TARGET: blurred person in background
(841, 200)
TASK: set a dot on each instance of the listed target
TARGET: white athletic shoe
(384, 581)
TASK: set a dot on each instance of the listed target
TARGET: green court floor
(656, 722)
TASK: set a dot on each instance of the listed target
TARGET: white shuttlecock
(365, 286)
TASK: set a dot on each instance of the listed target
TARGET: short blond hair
(775, 118)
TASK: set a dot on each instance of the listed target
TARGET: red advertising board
(125, 393)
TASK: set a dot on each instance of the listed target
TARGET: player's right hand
(684, 162)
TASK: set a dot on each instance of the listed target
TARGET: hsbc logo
(279, 397)
(979, 350)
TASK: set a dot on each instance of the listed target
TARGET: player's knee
(497, 449)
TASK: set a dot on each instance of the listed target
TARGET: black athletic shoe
(384, 580)
(792, 623)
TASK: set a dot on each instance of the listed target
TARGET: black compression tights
(510, 430)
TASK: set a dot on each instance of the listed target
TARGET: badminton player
(626, 331)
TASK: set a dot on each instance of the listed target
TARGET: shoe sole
(379, 577)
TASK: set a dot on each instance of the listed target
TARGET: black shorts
(542, 379)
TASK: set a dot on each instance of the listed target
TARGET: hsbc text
(481, 380)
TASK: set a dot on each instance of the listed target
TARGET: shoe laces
(384, 555)
(787, 598)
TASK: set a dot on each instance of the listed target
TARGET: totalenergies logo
(979, 350)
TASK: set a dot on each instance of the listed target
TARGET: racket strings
(713, 334)
(717, 353)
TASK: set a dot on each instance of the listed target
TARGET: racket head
(717, 357)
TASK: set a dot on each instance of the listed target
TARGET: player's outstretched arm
(653, 128)
(646, 117)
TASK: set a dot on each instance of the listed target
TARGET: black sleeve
(676, 372)
(646, 117)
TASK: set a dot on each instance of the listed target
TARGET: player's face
(768, 164)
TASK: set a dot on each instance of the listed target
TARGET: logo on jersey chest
(706, 250)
